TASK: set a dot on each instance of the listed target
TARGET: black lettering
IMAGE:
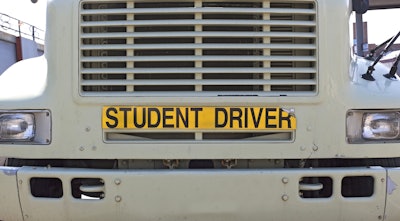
(125, 110)
(167, 117)
(180, 117)
(196, 115)
(225, 119)
(237, 118)
(111, 117)
(246, 120)
(135, 116)
(282, 118)
(268, 117)
(253, 116)
(158, 118)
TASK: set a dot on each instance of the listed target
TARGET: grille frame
(197, 81)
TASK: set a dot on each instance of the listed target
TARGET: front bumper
(271, 194)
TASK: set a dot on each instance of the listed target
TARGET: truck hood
(381, 85)
(26, 79)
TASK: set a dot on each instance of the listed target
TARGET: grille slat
(215, 34)
(219, 22)
(195, 70)
(205, 10)
(198, 48)
(198, 82)
(196, 58)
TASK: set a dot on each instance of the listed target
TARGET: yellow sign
(196, 118)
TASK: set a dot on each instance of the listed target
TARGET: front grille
(198, 48)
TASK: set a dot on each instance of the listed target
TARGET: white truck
(199, 110)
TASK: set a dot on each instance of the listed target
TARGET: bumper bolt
(285, 197)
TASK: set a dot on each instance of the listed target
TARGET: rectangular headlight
(364, 126)
(17, 127)
(25, 126)
(381, 126)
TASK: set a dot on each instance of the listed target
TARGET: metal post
(19, 28)
(359, 34)
(33, 32)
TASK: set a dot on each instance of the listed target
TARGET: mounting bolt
(117, 181)
(118, 199)
(285, 197)
(285, 180)
(81, 148)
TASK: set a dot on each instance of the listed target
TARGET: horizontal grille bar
(197, 22)
(200, 82)
(197, 10)
(195, 70)
(197, 46)
(225, 93)
(197, 58)
(198, 34)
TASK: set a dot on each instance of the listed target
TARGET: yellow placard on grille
(197, 118)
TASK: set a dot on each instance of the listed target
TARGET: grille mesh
(198, 48)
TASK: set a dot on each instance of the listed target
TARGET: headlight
(18, 127)
(25, 127)
(381, 126)
(373, 126)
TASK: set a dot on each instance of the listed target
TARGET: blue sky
(382, 24)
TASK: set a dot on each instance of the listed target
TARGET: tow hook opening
(315, 187)
(88, 188)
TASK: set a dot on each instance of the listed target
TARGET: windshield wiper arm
(368, 76)
(371, 53)
(392, 74)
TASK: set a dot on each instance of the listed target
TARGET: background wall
(8, 50)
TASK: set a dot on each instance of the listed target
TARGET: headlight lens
(379, 126)
(363, 126)
(25, 127)
(19, 127)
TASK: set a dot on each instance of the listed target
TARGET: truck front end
(195, 110)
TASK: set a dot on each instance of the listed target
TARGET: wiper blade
(368, 76)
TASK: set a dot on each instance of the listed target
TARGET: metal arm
(368, 76)
(372, 52)
(392, 74)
